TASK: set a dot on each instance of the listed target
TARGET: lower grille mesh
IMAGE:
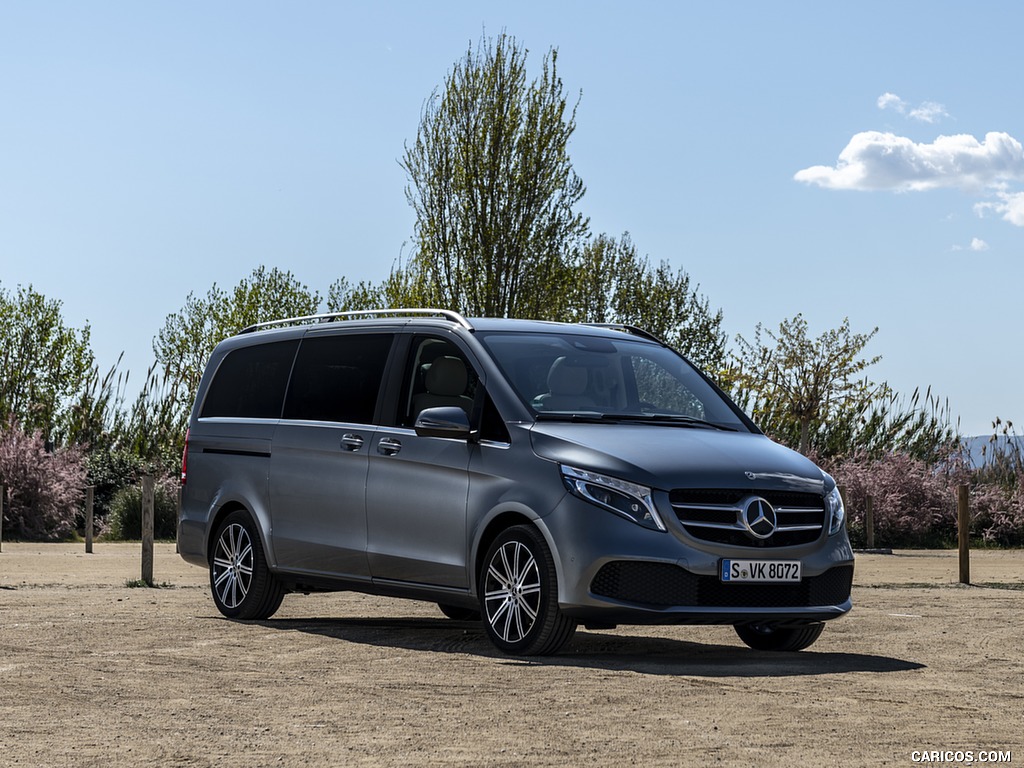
(663, 584)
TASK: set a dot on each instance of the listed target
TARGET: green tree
(811, 394)
(342, 296)
(493, 187)
(791, 382)
(187, 338)
(612, 283)
(496, 232)
(45, 363)
(404, 287)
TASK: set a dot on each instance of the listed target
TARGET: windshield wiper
(585, 416)
(677, 419)
(670, 419)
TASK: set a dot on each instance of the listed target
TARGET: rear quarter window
(250, 382)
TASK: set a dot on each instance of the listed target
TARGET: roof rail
(448, 314)
(626, 328)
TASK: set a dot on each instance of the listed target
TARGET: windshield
(566, 376)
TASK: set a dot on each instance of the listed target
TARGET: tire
(242, 585)
(519, 595)
(458, 613)
(769, 637)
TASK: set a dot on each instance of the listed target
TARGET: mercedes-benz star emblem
(759, 517)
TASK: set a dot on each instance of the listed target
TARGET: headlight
(836, 511)
(629, 500)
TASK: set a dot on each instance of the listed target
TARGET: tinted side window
(250, 382)
(338, 378)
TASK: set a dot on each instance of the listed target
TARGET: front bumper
(613, 571)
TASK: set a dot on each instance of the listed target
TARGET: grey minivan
(530, 475)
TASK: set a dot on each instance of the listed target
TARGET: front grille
(715, 515)
(662, 585)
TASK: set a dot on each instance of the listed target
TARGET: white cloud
(892, 101)
(1014, 212)
(884, 161)
(1010, 206)
(926, 112)
(977, 244)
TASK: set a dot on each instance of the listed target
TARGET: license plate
(760, 571)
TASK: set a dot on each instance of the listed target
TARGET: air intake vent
(663, 584)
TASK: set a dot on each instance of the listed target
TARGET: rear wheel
(767, 636)
(519, 595)
(242, 585)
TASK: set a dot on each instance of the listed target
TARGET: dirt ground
(95, 673)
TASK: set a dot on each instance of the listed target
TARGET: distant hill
(981, 447)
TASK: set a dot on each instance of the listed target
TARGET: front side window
(565, 375)
(437, 374)
(338, 378)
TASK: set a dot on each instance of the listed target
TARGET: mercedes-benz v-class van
(530, 475)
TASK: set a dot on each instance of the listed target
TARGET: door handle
(351, 442)
(389, 446)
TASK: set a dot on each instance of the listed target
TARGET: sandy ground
(95, 673)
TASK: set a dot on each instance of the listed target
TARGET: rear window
(250, 382)
(338, 377)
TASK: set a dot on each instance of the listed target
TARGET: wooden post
(963, 522)
(88, 519)
(3, 500)
(869, 520)
(148, 502)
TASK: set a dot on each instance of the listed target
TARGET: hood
(667, 457)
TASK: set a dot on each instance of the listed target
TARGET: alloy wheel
(512, 591)
(233, 565)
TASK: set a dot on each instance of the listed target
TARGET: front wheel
(767, 636)
(519, 595)
(242, 585)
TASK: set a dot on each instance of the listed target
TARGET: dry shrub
(997, 513)
(44, 488)
(915, 502)
(914, 505)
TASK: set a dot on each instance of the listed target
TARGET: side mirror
(443, 421)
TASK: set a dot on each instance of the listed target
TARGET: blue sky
(856, 160)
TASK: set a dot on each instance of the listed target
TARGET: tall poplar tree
(493, 188)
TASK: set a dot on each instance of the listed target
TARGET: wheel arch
(222, 512)
(492, 529)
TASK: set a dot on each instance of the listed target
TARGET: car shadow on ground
(594, 650)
